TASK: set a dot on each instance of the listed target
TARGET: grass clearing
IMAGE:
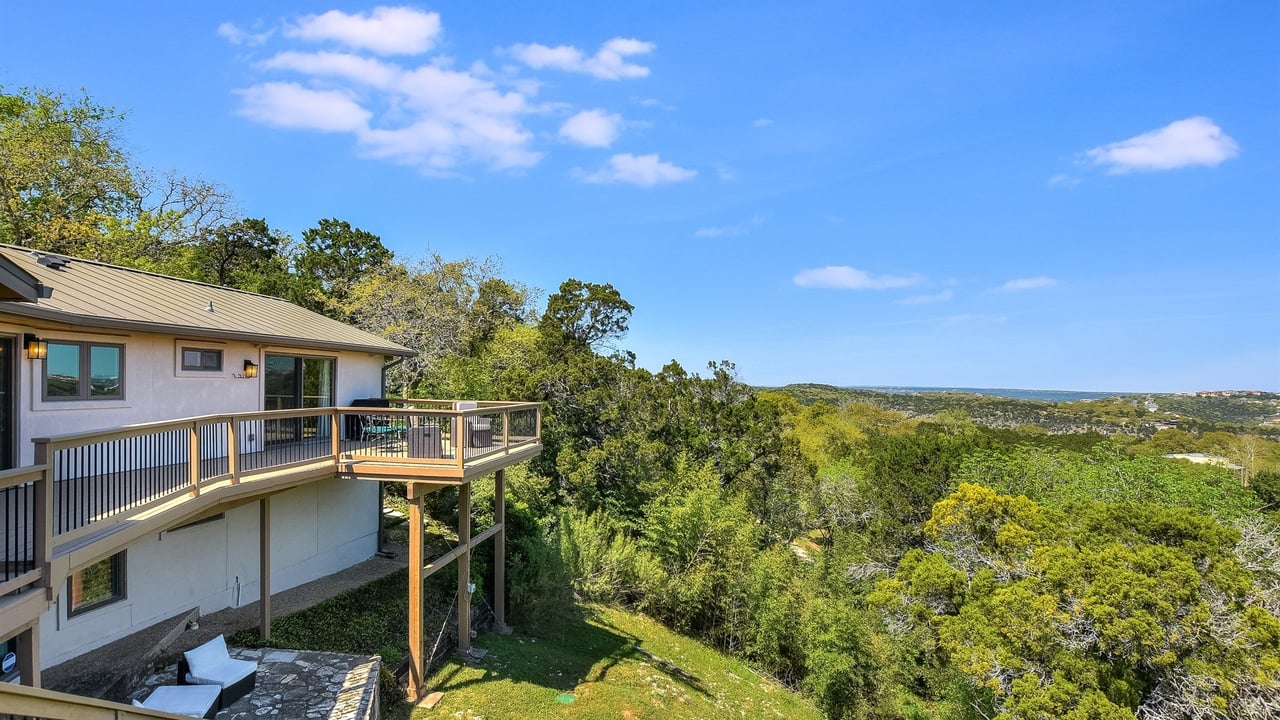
(607, 663)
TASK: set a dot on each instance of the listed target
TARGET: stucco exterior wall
(317, 529)
(155, 388)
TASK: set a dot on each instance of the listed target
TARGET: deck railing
(82, 480)
(26, 703)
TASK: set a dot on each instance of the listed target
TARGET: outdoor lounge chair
(200, 701)
(210, 664)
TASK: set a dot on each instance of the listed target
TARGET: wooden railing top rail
(126, 431)
(20, 476)
(23, 701)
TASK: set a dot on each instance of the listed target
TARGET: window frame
(86, 373)
(182, 359)
(119, 587)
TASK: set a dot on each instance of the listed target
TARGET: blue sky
(1078, 195)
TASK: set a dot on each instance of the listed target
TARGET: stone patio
(298, 685)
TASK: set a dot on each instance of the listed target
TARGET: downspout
(385, 368)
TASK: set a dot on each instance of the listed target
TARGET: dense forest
(890, 564)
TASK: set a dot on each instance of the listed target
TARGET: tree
(585, 316)
(335, 256)
(62, 172)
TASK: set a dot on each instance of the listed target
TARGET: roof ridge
(162, 276)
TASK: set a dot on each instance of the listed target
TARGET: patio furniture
(383, 430)
(200, 701)
(211, 664)
(479, 432)
(425, 442)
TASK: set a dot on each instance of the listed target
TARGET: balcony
(91, 494)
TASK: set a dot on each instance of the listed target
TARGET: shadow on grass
(579, 647)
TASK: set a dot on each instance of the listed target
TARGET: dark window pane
(98, 584)
(104, 371)
(62, 370)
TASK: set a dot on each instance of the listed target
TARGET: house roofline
(74, 321)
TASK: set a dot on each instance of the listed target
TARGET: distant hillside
(1140, 415)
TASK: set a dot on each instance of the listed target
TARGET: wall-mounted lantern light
(37, 349)
(250, 369)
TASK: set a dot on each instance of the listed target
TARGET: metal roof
(91, 294)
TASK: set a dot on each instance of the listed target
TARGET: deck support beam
(29, 655)
(264, 567)
(417, 650)
(464, 568)
(500, 550)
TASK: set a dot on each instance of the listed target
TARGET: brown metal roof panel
(100, 295)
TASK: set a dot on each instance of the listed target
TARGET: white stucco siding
(155, 387)
(317, 529)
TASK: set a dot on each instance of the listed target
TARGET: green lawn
(607, 664)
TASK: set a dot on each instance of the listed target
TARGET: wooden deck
(92, 494)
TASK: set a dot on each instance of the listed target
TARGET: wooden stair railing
(20, 701)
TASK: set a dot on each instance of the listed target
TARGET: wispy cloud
(609, 62)
(849, 278)
(384, 30)
(730, 230)
(1031, 283)
(642, 170)
(592, 128)
(1184, 143)
(944, 296)
(237, 35)
(1063, 180)
(655, 103)
(288, 105)
(762, 122)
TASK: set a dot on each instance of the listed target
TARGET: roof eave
(86, 321)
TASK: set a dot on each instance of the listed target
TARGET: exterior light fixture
(250, 369)
(37, 349)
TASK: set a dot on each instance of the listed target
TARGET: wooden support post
(500, 550)
(464, 567)
(233, 450)
(334, 430)
(42, 525)
(264, 567)
(29, 656)
(417, 649)
(193, 458)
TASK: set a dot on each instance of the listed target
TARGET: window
(84, 371)
(201, 360)
(99, 584)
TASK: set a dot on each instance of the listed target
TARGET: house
(177, 445)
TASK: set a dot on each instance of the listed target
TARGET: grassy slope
(615, 665)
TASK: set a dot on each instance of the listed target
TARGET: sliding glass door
(297, 381)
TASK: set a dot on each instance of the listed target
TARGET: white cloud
(1194, 141)
(944, 296)
(849, 278)
(289, 105)
(431, 116)
(593, 128)
(762, 122)
(1063, 180)
(236, 35)
(726, 173)
(609, 62)
(643, 170)
(656, 103)
(363, 70)
(1031, 283)
(730, 230)
(384, 30)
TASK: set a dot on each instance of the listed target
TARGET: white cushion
(210, 664)
(228, 672)
(210, 653)
(193, 700)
